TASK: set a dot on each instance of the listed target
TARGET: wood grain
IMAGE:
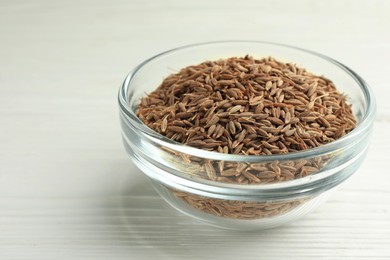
(67, 188)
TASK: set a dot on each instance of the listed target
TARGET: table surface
(67, 188)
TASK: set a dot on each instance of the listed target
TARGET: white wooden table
(67, 188)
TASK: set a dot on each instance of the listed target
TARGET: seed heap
(251, 107)
(239, 209)
(247, 106)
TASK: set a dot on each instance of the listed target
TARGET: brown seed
(238, 148)
(230, 172)
(176, 129)
(267, 174)
(287, 174)
(179, 123)
(219, 133)
(273, 139)
(241, 167)
(251, 177)
(339, 132)
(294, 101)
(285, 128)
(271, 130)
(268, 85)
(290, 132)
(314, 133)
(232, 127)
(256, 100)
(294, 120)
(259, 108)
(216, 130)
(226, 149)
(273, 91)
(244, 114)
(330, 117)
(258, 166)
(268, 145)
(197, 143)
(308, 118)
(324, 122)
(238, 126)
(234, 109)
(210, 170)
(164, 124)
(211, 129)
(213, 121)
(329, 133)
(241, 136)
(280, 98)
(226, 82)
(240, 67)
(182, 115)
(221, 164)
(250, 129)
(182, 107)
(266, 68)
(206, 104)
(312, 89)
(275, 120)
(280, 82)
(310, 105)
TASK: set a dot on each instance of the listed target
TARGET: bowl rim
(363, 126)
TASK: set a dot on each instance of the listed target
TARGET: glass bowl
(181, 174)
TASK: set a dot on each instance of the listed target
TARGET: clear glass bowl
(179, 172)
